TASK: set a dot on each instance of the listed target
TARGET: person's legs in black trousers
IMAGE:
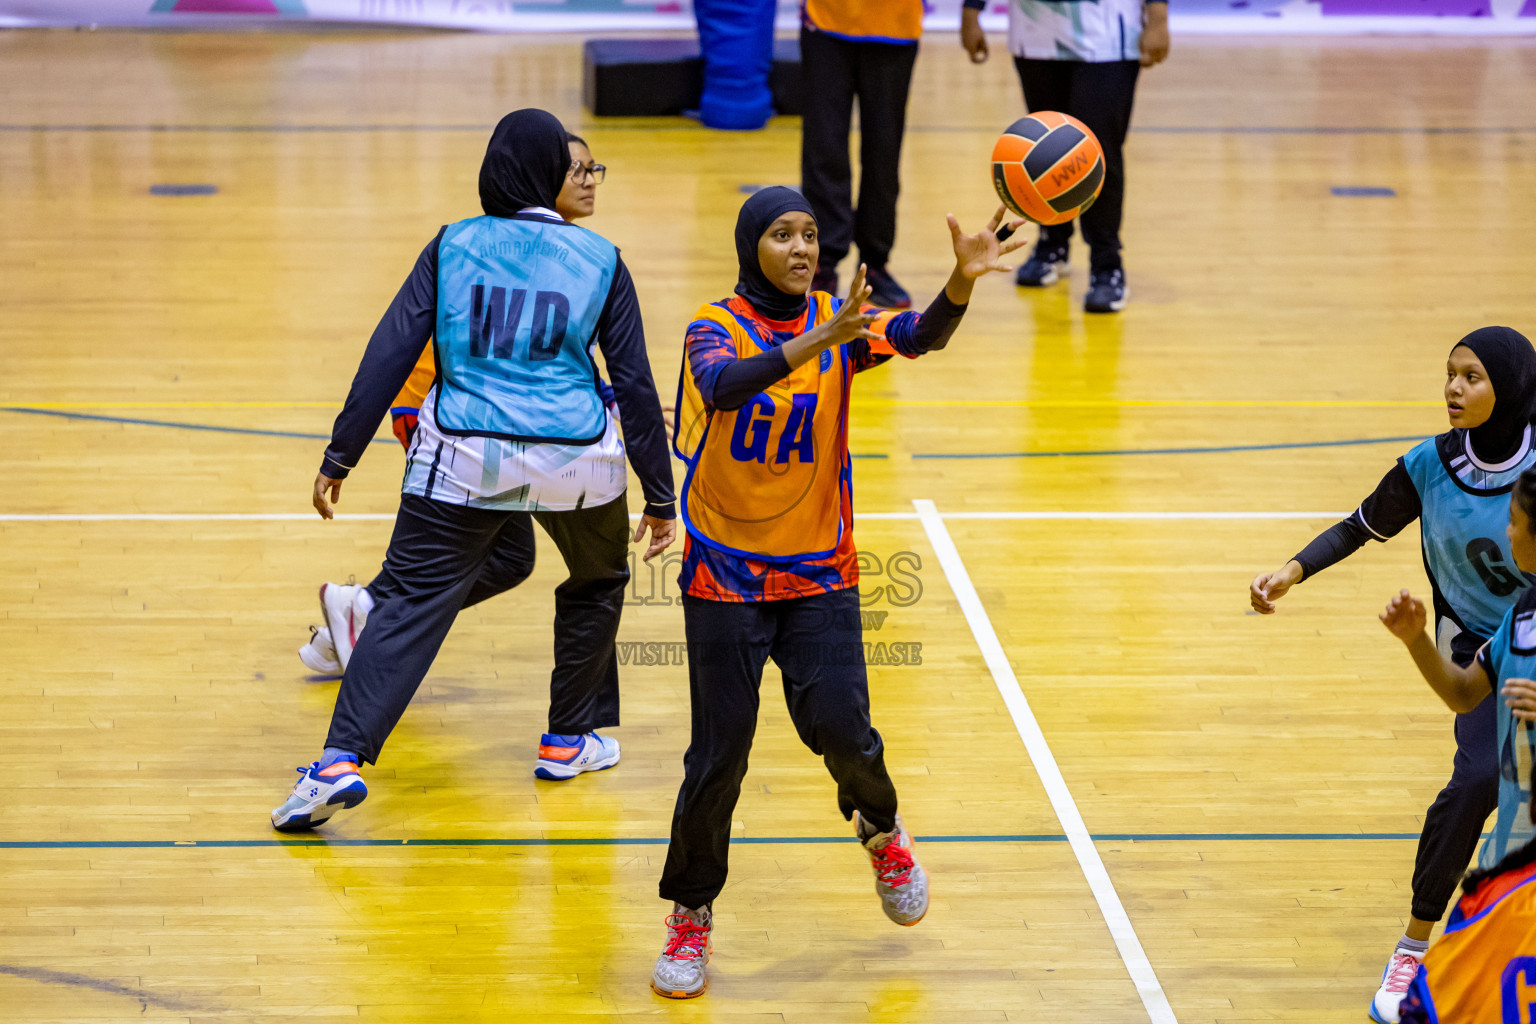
(1102, 97)
(1047, 85)
(826, 176)
(818, 645)
(435, 556)
(1453, 825)
(510, 563)
(584, 687)
(883, 80)
(728, 644)
(819, 648)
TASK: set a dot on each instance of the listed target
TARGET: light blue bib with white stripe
(1512, 653)
(518, 301)
(1465, 510)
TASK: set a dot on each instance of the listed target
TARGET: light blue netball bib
(1512, 653)
(1465, 511)
(517, 307)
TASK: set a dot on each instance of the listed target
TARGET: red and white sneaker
(679, 971)
(345, 607)
(319, 655)
(899, 878)
(1395, 979)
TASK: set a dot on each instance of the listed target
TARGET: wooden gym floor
(1253, 786)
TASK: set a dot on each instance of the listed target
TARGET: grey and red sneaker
(899, 878)
(679, 972)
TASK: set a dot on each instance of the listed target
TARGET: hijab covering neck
(757, 215)
(1510, 360)
(525, 163)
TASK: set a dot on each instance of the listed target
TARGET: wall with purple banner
(1441, 17)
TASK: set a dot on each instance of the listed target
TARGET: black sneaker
(1044, 266)
(1106, 292)
(825, 278)
(884, 291)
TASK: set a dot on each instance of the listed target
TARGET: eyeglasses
(580, 170)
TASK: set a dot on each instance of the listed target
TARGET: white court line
(185, 517)
(1131, 953)
(298, 517)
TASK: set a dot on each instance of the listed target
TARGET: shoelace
(1400, 972)
(893, 863)
(685, 939)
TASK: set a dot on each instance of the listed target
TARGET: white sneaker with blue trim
(318, 794)
(560, 759)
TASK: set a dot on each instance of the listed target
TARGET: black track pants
(818, 645)
(439, 557)
(834, 71)
(1100, 95)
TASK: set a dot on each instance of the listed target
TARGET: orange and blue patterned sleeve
(908, 334)
(710, 350)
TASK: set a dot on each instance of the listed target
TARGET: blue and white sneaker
(561, 757)
(1044, 266)
(1106, 292)
(319, 794)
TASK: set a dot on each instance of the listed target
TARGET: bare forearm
(1462, 689)
(958, 287)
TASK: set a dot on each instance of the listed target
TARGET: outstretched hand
(982, 252)
(1405, 617)
(851, 322)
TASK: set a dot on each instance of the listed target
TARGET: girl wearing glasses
(345, 607)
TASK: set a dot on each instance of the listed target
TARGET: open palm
(982, 253)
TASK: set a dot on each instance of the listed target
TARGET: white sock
(364, 601)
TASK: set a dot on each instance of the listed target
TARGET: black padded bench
(664, 77)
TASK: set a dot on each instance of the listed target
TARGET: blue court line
(651, 124)
(216, 429)
(1169, 451)
(1107, 837)
(211, 428)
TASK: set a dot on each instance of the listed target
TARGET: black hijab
(1511, 364)
(758, 214)
(525, 163)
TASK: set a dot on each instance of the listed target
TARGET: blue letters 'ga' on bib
(1463, 536)
(517, 307)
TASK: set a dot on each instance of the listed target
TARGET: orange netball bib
(762, 480)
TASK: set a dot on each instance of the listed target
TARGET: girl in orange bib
(769, 566)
